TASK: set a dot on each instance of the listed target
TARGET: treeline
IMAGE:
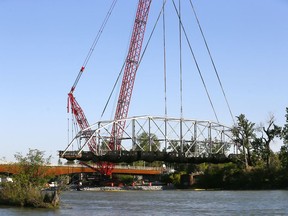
(258, 167)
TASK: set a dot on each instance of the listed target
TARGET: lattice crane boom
(81, 120)
(75, 107)
(131, 66)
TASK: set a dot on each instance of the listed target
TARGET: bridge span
(150, 138)
(73, 169)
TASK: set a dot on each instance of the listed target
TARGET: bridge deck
(65, 170)
(148, 156)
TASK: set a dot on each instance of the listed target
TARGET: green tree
(283, 155)
(262, 144)
(175, 146)
(243, 132)
(104, 147)
(147, 142)
(32, 168)
(25, 190)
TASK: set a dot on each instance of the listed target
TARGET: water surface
(172, 202)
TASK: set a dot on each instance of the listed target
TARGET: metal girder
(199, 138)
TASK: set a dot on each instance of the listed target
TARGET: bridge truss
(154, 138)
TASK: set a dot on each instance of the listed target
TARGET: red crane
(75, 107)
(131, 66)
(104, 168)
(79, 114)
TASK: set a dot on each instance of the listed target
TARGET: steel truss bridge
(148, 138)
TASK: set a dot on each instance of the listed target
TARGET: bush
(27, 185)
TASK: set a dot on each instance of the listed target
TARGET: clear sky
(44, 43)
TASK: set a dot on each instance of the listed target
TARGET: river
(169, 202)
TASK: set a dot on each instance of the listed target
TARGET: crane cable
(100, 32)
(180, 64)
(87, 59)
(164, 63)
(195, 60)
(144, 50)
(94, 43)
(212, 61)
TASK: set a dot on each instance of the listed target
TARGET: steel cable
(212, 61)
(195, 60)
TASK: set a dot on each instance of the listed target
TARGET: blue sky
(44, 43)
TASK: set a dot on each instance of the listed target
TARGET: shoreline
(129, 188)
(161, 188)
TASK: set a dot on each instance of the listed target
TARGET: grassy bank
(15, 194)
(26, 187)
